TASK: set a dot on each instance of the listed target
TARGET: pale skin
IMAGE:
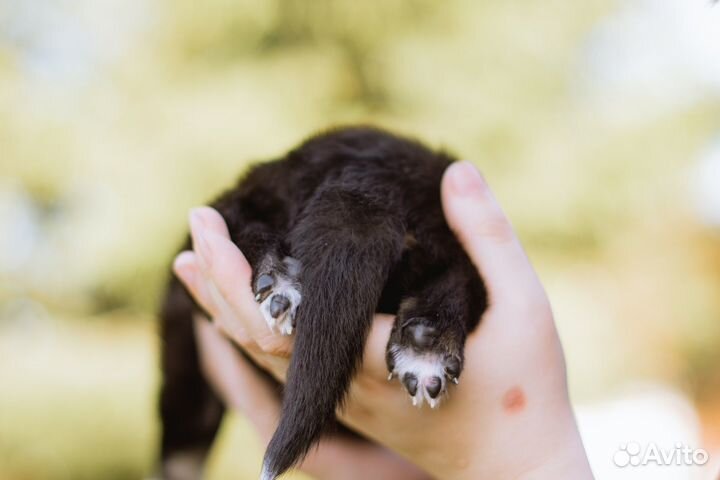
(509, 418)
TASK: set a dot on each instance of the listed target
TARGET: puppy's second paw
(278, 293)
(423, 360)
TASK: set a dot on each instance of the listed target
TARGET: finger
(188, 271)
(349, 456)
(487, 236)
(227, 277)
(209, 219)
(374, 363)
(230, 276)
(236, 380)
(222, 261)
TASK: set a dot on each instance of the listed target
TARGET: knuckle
(220, 326)
(244, 340)
(524, 303)
(274, 345)
(535, 305)
(538, 312)
(495, 228)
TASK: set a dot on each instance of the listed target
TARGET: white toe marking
(424, 367)
(283, 323)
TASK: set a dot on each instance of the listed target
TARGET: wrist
(570, 462)
(542, 451)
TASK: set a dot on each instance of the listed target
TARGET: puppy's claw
(390, 377)
(456, 381)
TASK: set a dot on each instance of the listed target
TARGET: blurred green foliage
(111, 160)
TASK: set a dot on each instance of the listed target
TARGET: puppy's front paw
(423, 360)
(278, 293)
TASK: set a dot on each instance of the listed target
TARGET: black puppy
(346, 225)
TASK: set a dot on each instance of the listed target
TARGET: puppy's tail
(341, 285)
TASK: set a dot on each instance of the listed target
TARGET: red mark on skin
(514, 400)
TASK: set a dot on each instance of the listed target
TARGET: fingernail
(183, 259)
(182, 266)
(195, 219)
(464, 178)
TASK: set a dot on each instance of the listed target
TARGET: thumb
(487, 236)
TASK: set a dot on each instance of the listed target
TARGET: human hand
(242, 387)
(510, 417)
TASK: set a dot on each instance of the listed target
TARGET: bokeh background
(597, 123)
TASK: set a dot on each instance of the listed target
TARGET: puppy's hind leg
(426, 346)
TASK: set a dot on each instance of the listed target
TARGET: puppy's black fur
(346, 225)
